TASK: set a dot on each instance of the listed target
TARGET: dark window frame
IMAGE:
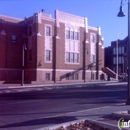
(76, 76)
(48, 55)
(67, 56)
(14, 38)
(47, 76)
(67, 34)
(48, 31)
(30, 30)
(76, 36)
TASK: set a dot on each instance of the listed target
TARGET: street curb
(102, 124)
(68, 84)
(121, 114)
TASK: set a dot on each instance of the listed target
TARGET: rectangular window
(76, 76)
(30, 55)
(122, 50)
(72, 76)
(119, 59)
(92, 38)
(48, 52)
(76, 35)
(122, 60)
(67, 57)
(71, 57)
(92, 58)
(72, 35)
(114, 50)
(92, 76)
(47, 76)
(76, 57)
(114, 60)
(14, 38)
(119, 50)
(48, 31)
(67, 34)
(30, 30)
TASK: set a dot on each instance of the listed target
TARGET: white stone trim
(69, 19)
(40, 69)
(93, 28)
(4, 16)
(99, 30)
(44, 16)
(86, 25)
(45, 45)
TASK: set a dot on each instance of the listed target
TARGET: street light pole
(24, 48)
(117, 55)
(121, 14)
(128, 94)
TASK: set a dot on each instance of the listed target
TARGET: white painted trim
(69, 19)
(99, 30)
(86, 25)
(40, 69)
(48, 19)
(4, 16)
(93, 28)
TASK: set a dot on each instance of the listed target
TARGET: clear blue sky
(101, 13)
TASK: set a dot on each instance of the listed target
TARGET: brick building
(60, 49)
(111, 56)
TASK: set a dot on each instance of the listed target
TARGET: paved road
(27, 110)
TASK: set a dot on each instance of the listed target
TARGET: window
(76, 76)
(48, 55)
(67, 34)
(30, 55)
(92, 38)
(119, 59)
(114, 50)
(114, 60)
(92, 75)
(14, 38)
(30, 30)
(48, 31)
(71, 57)
(76, 57)
(72, 76)
(67, 57)
(47, 76)
(119, 50)
(72, 35)
(92, 58)
(76, 35)
(122, 50)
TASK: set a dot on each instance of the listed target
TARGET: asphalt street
(27, 110)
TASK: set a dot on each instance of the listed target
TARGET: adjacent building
(114, 58)
(60, 49)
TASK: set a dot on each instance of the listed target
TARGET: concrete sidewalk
(102, 116)
(90, 83)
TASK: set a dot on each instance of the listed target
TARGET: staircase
(109, 72)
